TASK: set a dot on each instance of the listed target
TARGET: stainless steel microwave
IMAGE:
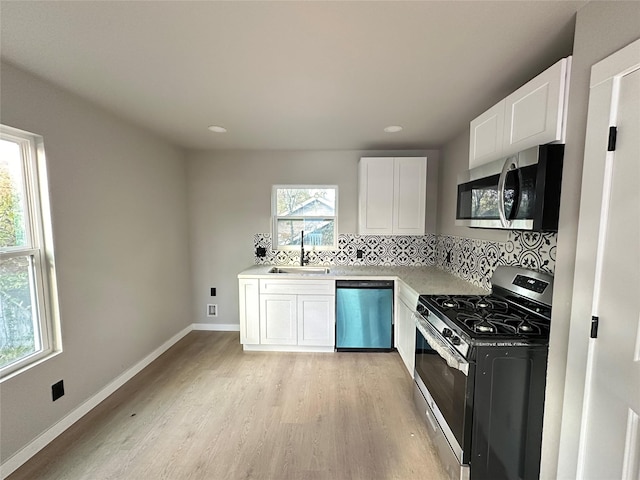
(521, 192)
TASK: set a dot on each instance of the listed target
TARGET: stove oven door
(448, 391)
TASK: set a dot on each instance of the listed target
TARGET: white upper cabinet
(535, 114)
(392, 196)
(486, 136)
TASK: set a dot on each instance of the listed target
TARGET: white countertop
(423, 280)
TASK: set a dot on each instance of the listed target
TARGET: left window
(28, 332)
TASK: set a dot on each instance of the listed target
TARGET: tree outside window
(26, 330)
(308, 209)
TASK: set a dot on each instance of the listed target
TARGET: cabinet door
(487, 131)
(376, 196)
(534, 113)
(410, 184)
(316, 320)
(406, 336)
(278, 319)
(249, 311)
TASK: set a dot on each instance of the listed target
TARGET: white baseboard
(21, 457)
(217, 327)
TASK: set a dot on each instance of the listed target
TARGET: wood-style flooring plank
(206, 410)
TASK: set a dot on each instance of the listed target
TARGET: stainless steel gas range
(480, 375)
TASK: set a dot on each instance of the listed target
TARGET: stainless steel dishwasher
(364, 315)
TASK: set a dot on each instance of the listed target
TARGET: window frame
(38, 248)
(275, 217)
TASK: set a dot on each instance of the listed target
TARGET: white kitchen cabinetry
(287, 314)
(249, 310)
(487, 131)
(406, 303)
(316, 320)
(535, 114)
(392, 195)
(278, 319)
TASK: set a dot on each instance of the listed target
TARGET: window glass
(19, 333)
(13, 232)
(308, 209)
(26, 319)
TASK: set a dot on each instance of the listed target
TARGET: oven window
(446, 385)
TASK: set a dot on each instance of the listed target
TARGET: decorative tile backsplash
(470, 259)
(382, 250)
(475, 260)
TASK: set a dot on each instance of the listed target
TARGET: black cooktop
(491, 316)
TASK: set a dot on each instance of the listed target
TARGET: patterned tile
(470, 259)
(532, 250)
(376, 250)
(475, 260)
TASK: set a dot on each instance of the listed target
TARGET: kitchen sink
(300, 270)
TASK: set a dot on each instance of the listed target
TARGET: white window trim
(275, 217)
(39, 247)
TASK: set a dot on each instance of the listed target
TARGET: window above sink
(311, 209)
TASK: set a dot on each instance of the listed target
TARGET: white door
(610, 433)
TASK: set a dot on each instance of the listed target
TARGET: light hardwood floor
(207, 410)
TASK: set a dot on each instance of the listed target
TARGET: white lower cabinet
(281, 314)
(316, 320)
(278, 319)
(405, 325)
(249, 310)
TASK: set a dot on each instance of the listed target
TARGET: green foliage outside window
(16, 313)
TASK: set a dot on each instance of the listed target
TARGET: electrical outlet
(57, 390)
(359, 253)
(212, 310)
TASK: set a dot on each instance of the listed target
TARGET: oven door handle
(440, 345)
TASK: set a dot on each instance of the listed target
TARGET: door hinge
(613, 134)
(594, 326)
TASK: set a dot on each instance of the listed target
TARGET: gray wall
(601, 29)
(119, 208)
(230, 201)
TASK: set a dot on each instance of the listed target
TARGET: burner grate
(472, 303)
(500, 323)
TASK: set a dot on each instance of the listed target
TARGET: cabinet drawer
(298, 287)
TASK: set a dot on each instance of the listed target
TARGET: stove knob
(420, 308)
(455, 340)
(446, 332)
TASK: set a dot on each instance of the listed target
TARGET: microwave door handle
(509, 164)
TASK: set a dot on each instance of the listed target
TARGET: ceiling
(290, 75)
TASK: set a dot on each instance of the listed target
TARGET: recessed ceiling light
(217, 129)
(393, 128)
